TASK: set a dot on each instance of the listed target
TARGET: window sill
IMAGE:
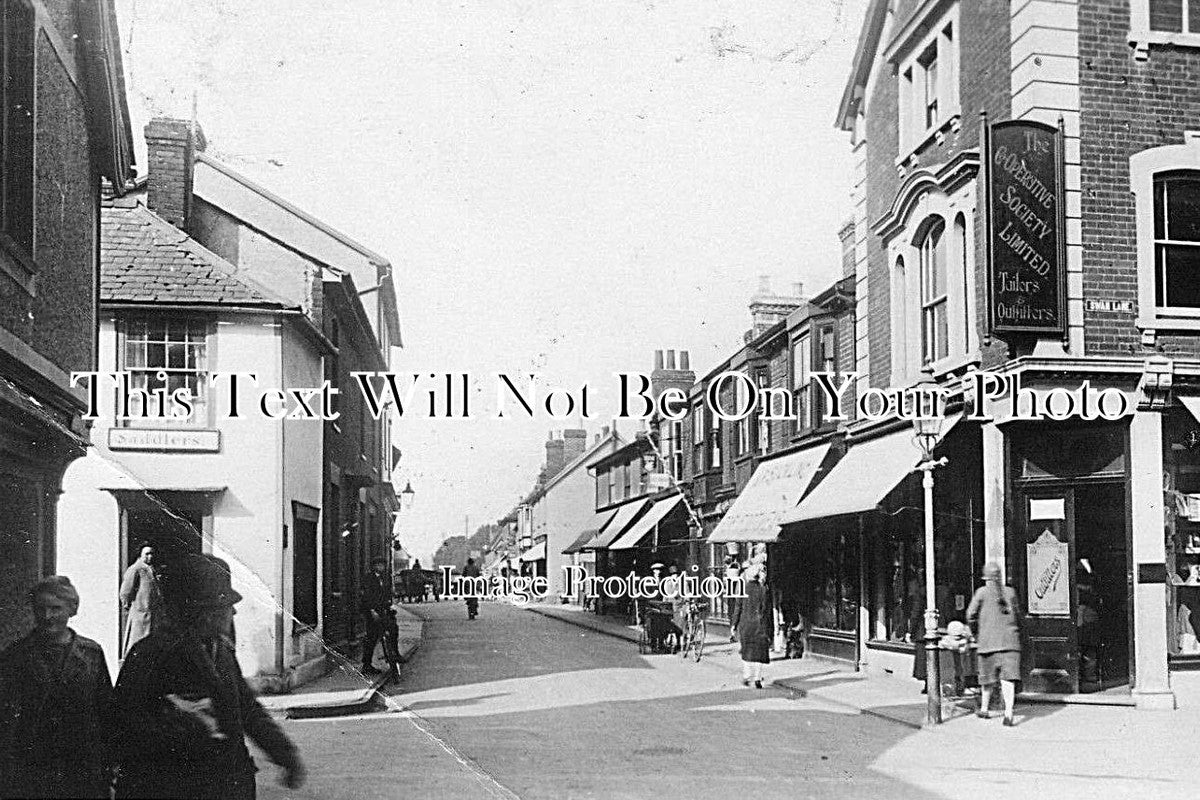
(1181, 320)
(1140, 41)
(954, 364)
(908, 156)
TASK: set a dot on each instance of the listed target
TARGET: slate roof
(145, 259)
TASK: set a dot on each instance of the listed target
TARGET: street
(518, 704)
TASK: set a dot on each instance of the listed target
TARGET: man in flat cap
(183, 706)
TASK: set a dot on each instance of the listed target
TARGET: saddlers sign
(1026, 248)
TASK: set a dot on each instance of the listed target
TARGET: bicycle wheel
(701, 631)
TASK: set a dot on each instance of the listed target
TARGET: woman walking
(995, 618)
(56, 701)
(754, 622)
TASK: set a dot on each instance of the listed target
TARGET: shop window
(1177, 239)
(1181, 459)
(16, 130)
(934, 315)
(837, 600)
(165, 355)
(801, 388)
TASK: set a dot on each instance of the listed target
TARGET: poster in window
(1046, 562)
(1026, 253)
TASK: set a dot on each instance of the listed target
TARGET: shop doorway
(1072, 573)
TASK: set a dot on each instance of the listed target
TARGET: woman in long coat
(56, 700)
(755, 624)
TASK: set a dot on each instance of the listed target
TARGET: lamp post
(928, 426)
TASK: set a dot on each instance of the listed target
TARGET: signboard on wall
(1046, 562)
(1026, 247)
(170, 440)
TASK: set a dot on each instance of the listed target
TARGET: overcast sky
(562, 186)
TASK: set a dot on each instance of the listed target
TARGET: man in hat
(183, 706)
(375, 603)
(139, 598)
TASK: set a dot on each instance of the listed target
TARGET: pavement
(533, 705)
(344, 689)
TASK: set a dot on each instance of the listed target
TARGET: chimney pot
(658, 359)
(684, 360)
(798, 289)
(764, 284)
(670, 359)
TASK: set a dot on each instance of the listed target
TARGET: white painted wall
(262, 475)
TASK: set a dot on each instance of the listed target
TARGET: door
(1041, 559)
(1103, 579)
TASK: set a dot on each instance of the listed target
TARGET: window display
(1181, 489)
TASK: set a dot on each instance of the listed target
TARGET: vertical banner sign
(1026, 245)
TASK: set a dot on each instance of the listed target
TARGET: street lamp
(406, 496)
(927, 423)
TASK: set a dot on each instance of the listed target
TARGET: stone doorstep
(314, 703)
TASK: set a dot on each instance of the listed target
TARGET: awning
(1192, 404)
(588, 535)
(864, 477)
(616, 525)
(580, 541)
(645, 526)
(773, 490)
(535, 553)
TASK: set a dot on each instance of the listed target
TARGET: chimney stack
(668, 375)
(554, 456)
(171, 155)
(767, 308)
(574, 444)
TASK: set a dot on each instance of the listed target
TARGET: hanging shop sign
(1026, 248)
(1046, 562)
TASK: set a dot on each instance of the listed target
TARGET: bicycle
(695, 630)
(391, 647)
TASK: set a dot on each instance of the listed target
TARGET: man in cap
(183, 706)
(375, 603)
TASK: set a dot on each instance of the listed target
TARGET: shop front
(857, 542)
(1068, 554)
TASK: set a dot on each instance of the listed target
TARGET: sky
(562, 187)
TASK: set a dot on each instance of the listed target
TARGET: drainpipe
(279, 584)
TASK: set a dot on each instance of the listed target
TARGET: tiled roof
(145, 259)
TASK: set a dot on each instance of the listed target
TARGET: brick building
(1119, 78)
(65, 126)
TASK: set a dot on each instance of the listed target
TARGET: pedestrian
(471, 570)
(733, 573)
(375, 603)
(183, 707)
(995, 618)
(754, 621)
(56, 703)
(139, 598)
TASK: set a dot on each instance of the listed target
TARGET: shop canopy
(1192, 404)
(584, 538)
(646, 525)
(535, 553)
(864, 477)
(616, 525)
(772, 491)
